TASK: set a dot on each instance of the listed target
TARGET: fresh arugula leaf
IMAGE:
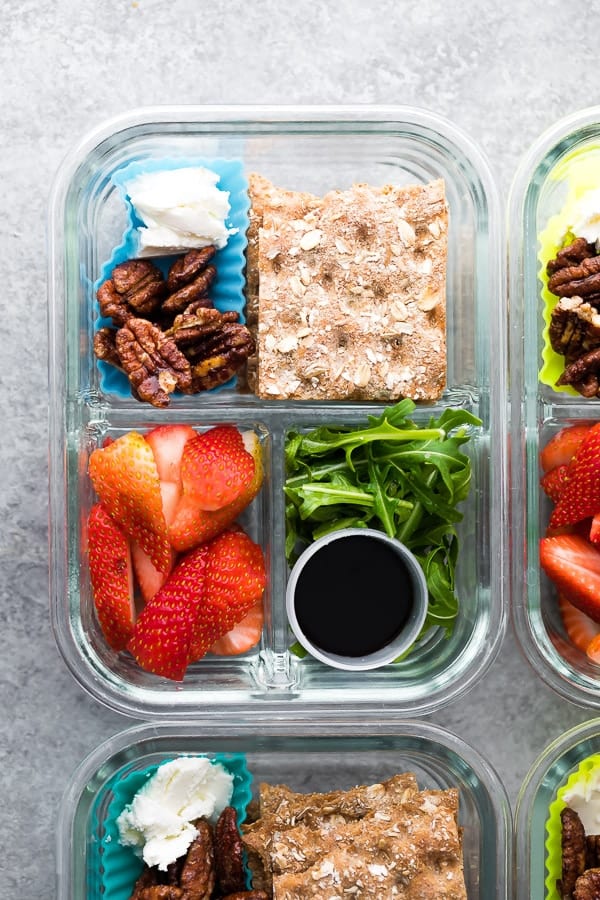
(394, 475)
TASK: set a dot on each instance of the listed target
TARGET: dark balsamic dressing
(353, 596)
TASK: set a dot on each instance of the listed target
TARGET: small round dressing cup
(390, 600)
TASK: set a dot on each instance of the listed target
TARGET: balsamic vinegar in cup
(353, 596)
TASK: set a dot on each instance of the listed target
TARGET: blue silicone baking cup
(227, 291)
(113, 868)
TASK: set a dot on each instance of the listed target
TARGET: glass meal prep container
(540, 408)
(564, 759)
(310, 758)
(312, 149)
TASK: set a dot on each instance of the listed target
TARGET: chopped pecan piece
(189, 278)
(584, 374)
(105, 346)
(135, 288)
(198, 873)
(152, 361)
(229, 853)
(587, 886)
(573, 851)
(574, 328)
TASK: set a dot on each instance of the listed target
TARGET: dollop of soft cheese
(584, 798)
(181, 209)
(585, 218)
(158, 821)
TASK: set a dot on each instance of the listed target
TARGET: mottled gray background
(502, 74)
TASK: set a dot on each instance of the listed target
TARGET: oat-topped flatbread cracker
(387, 840)
(351, 293)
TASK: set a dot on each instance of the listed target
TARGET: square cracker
(351, 293)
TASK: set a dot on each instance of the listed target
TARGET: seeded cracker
(352, 294)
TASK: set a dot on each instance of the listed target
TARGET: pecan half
(574, 328)
(575, 272)
(136, 288)
(573, 851)
(189, 278)
(584, 374)
(198, 873)
(189, 330)
(587, 886)
(229, 853)
(161, 892)
(105, 346)
(148, 878)
(592, 851)
(153, 363)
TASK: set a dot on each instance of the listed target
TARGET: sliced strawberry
(243, 636)
(171, 495)
(149, 579)
(561, 448)
(579, 627)
(193, 526)
(167, 442)
(111, 577)
(573, 564)
(234, 581)
(553, 482)
(593, 649)
(163, 632)
(595, 529)
(216, 468)
(125, 477)
(580, 496)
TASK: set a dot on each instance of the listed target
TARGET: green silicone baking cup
(114, 869)
(579, 171)
(554, 828)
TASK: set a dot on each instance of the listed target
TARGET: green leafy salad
(394, 475)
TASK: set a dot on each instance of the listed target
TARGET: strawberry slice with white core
(561, 448)
(580, 629)
(167, 443)
(573, 565)
(111, 576)
(125, 477)
(243, 636)
(580, 496)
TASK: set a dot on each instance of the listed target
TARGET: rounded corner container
(315, 149)
(550, 772)
(540, 408)
(315, 757)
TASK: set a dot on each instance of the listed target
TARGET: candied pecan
(587, 886)
(592, 851)
(135, 288)
(220, 356)
(573, 851)
(105, 346)
(581, 280)
(153, 363)
(187, 267)
(584, 374)
(189, 279)
(198, 872)
(162, 892)
(570, 256)
(229, 853)
(574, 328)
(148, 878)
(247, 895)
(188, 330)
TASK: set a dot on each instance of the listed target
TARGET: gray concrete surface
(502, 75)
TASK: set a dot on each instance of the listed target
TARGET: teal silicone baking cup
(227, 291)
(114, 868)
